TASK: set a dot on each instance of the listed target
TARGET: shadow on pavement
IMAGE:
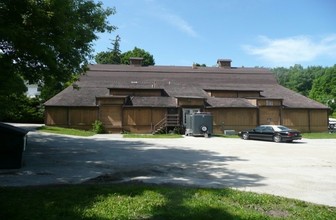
(55, 159)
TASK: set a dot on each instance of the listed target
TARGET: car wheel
(245, 136)
(277, 138)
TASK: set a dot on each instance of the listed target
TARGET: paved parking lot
(304, 170)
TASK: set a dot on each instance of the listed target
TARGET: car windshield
(280, 128)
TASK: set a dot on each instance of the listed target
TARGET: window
(268, 129)
(269, 102)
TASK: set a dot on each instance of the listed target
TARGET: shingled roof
(140, 101)
(229, 103)
(178, 81)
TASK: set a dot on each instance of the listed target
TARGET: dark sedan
(277, 133)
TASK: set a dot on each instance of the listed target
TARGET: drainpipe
(68, 116)
(258, 116)
(281, 115)
(309, 124)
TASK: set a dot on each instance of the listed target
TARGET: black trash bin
(12, 144)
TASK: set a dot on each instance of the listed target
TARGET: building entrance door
(188, 111)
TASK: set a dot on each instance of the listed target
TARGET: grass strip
(152, 136)
(77, 132)
(144, 201)
(322, 135)
(225, 136)
(66, 131)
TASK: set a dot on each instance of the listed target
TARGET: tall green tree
(324, 88)
(315, 82)
(113, 56)
(11, 86)
(47, 41)
(306, 79)
(50, 39)
(297, 78)
(200, 65)
(282, 75)
(148, 58)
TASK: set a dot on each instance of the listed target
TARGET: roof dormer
(224, 63)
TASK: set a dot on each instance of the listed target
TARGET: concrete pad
(304, 170)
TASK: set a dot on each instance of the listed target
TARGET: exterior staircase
(170, 120)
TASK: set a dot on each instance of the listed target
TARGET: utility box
(199, 124)
(13, 141)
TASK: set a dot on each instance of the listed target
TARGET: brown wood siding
(296, 118)
(190, 102)
(158, 114)
(224, 94)
(142, 120)
(233, 119)
(306, 120)
(110, 101)
(143, 116)
(111, 116)
(137, 116)
(269, 102)
(56, 116)
(128, 117)
(269, 116)
(318, 120)
(82, 116)
(244, 94)
(136, 92)
(234, 94)
(73, 117)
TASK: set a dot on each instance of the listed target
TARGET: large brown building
(142, 99)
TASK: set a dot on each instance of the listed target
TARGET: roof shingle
(178, 82)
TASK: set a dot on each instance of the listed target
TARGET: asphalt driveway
(304, 170)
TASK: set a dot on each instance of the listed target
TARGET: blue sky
(268, 33)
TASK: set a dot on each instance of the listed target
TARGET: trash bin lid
(9, 129)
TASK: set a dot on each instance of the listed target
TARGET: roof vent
(136, 61)
(224, 63)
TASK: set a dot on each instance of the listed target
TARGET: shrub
(177, 130)
(21, 109)
(98, 127)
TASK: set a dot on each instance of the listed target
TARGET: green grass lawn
(141, 201)
(66, 131)
(76, 132)
(324, 135)
(226, 136)
(152, 136)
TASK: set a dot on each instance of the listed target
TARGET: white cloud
(293, 50)
(172, 19)
(179, 23)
